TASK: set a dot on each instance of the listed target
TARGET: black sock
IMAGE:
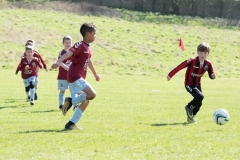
(27, 89)
(71, 123)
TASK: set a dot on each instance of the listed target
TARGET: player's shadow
(170, 124)
(45, 131)
(10, 100)
(214, 130)
(13, 100)
(52, 110)
(3, 107)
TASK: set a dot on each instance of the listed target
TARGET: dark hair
(30, 41)
(67, 38)
(87, 27)
(203, 47)
(29, 47)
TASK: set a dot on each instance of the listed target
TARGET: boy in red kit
(63, 71)
(29, 67)
(82, 91)
(196, 67)
(40, 59)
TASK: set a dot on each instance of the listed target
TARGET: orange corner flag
(181, 44)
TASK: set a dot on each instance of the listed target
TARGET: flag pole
(179, 76)
(181, 47)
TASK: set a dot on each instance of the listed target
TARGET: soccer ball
(221, 116)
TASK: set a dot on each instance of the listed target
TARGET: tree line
(229, 9)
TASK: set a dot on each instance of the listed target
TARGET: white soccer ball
(221, 116)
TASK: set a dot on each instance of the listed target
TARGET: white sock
(79, 99)
(32, 92)
(76, 116)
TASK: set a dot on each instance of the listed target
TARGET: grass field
(125, 121)
(133, 53)
(123, 46)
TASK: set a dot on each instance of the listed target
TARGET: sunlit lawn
(125, 121)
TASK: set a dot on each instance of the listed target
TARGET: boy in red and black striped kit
(196, 67)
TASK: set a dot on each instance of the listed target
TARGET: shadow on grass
(52, 110)
(46, 111)
(13, 100)
(10, 100)
(45, 131)
(170, 124)
(3, 107)
(214, 130)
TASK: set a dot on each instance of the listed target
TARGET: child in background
(29, 67)
(82, 91)
(40, 59)
(63, 71)
(196, 67)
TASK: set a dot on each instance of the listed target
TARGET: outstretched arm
(62, 58)
(213, 75)
(168, 78)
(20, 67)
(177, 69)
(64, 66)
(39, 64)
(91, 67)
(43, 62)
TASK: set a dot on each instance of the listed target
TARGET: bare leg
(83, 105)
(90, 92)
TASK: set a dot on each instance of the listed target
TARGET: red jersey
(194, 71)
(33, 67)
(39, 57)
(80, 59)
(62, 73)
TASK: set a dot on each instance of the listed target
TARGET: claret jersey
(80, 59)
(33, 67)
(39, 57)
(62, 73)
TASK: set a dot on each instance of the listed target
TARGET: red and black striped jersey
(194, 71)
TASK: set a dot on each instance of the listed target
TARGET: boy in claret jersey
(196, 67)
(82, 91)
(63, 70)
(41, 61)
(29, 67)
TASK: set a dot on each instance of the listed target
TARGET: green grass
(147, 46)
(125, 121)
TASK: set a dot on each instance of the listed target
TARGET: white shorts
(62, 84)
(32, 79)
(78, 86)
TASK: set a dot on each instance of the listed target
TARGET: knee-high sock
(79, 99)
(27, 90)
(76, 116)
(60, 98)
(32, 92)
